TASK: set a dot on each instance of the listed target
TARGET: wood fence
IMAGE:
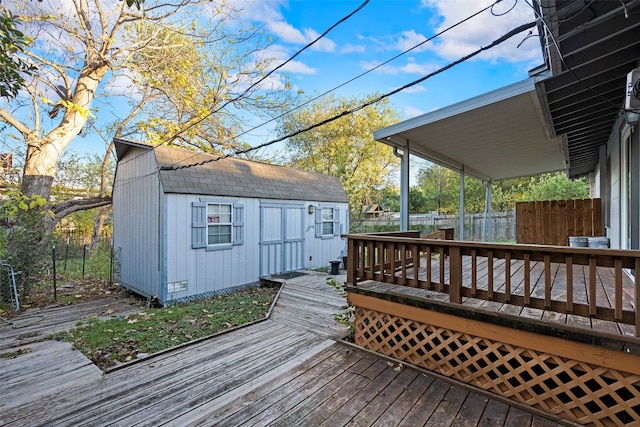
(552, 222)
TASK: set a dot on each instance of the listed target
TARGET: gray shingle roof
(240, 178)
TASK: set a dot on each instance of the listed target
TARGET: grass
(121, 339)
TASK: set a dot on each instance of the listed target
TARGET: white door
(281, 238)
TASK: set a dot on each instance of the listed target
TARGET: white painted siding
(153, 236)
(613, 152)
(319, 251)
(211, 271)
(620, 213)
(136, 223)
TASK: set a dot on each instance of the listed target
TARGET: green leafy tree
(440, 188)
(344, 148)
(556, 186)
(12, 66)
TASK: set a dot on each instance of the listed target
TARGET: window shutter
(198, 225)
(318, 221)
(336, 222)
(238, 224)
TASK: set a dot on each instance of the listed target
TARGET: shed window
(216, 225)
(327, 221)
(219, 223)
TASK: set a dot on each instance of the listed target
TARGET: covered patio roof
(498, 135)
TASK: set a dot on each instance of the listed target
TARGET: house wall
(137, 216)
(207, 272)
(619, 177)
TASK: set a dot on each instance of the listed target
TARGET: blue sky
(385, 28)
(378, 32)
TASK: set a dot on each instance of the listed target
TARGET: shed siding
(320, 250)
(209, 271)
(136, 217)
(162, 254)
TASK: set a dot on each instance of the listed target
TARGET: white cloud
(483, 29)
(353, 48)
(279, 54)
(268, 13)
(409, 39)
(410, 112)
(415, 89)
(324, 44)
(384, 69)
(410, 67)
(297, 67)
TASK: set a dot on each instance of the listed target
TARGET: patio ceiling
(551, 122)
(600, 43)
(499, 135)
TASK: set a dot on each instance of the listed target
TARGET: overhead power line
(200, 120)
(382, 64)
(263, 78)
(496, 42)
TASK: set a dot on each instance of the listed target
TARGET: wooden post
(352, 262)
(617, 263)
(569, 267)
(474, 273)
(547, 281)
(592, 286)
(455, 275)
(527, 279)
(507, 277)
(441, 282)
(490, 275)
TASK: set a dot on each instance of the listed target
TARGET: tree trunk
(98, 225)
(37, 184)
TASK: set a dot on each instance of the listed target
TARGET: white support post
(461, 233)
(404, 189)
(488, 219)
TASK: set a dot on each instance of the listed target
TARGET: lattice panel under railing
(577, 391)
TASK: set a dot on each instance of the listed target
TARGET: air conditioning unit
(632, 101)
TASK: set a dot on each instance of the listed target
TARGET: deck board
(287, 370)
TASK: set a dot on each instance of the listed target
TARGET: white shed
(181, 233)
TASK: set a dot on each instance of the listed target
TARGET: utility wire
(263, 78)
(364, 73)
(200, 120)
(496, 42)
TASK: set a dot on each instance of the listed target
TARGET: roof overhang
(599, 43)
(498, 135)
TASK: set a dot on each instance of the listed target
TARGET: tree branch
(70, 206)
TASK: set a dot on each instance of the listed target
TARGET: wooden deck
(287, 370)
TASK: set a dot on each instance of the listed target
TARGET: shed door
(281, 238)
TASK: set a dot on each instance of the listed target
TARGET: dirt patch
(69, 293)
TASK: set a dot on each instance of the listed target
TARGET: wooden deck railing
(452, 267)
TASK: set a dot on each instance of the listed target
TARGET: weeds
(124, 338)
(346, 316)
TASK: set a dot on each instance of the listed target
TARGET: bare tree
(168, 67)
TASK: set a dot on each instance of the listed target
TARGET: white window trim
(229, 224)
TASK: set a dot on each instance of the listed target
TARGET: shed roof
(237, 177)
